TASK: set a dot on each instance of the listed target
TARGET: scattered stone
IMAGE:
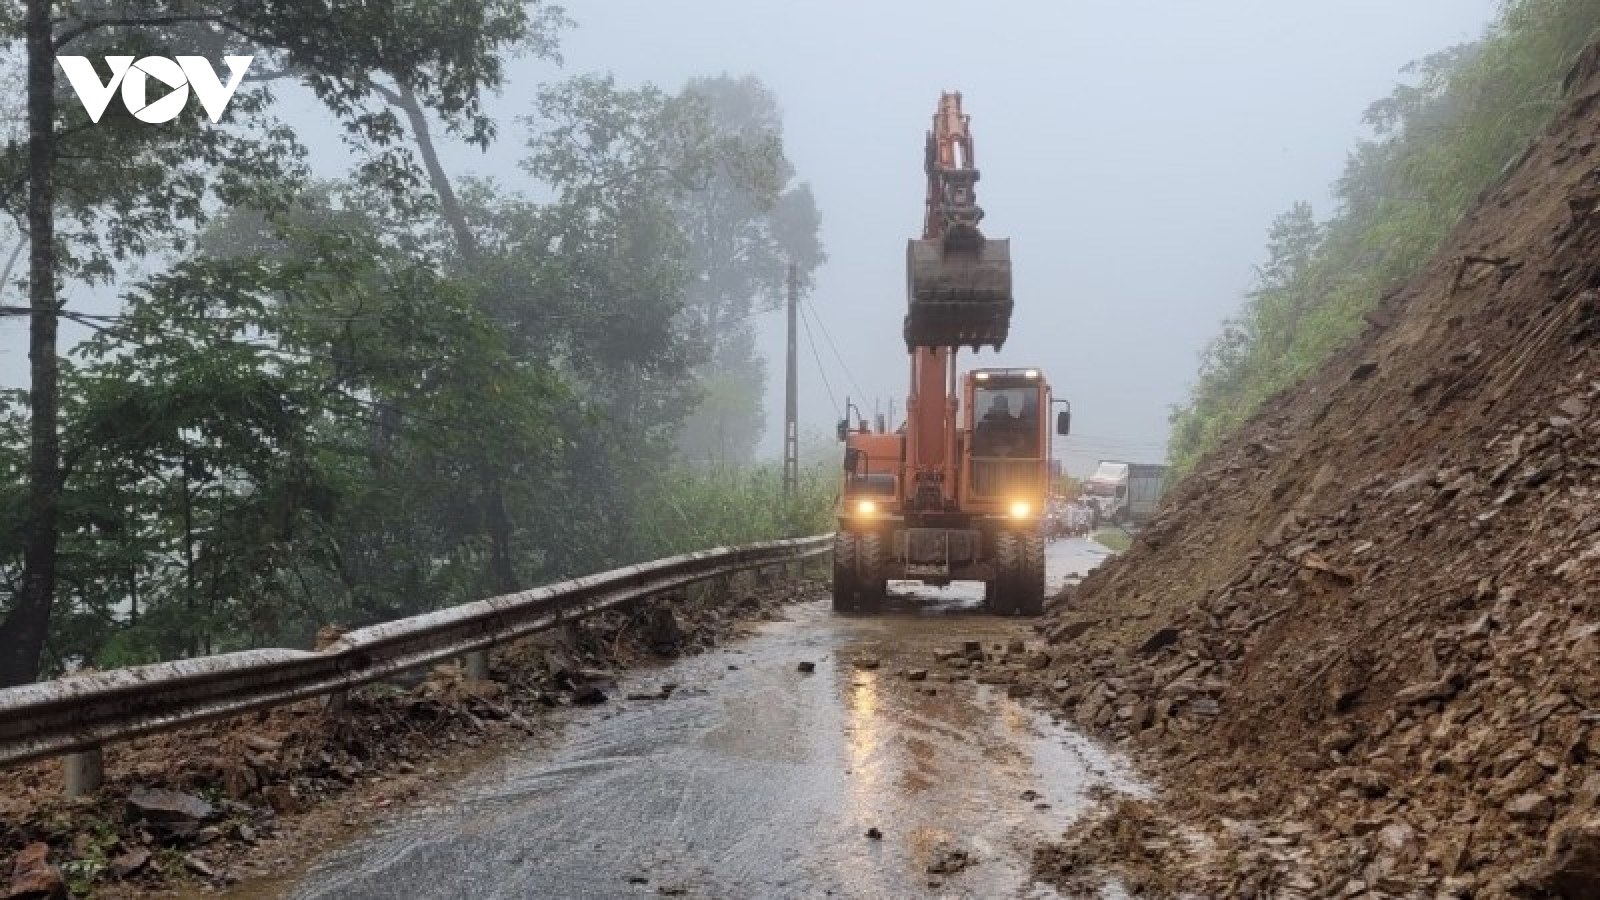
(262, 744)
(1161, 640)
(1427, 691)
(867, 662)
(33, 877)
(588, 695)
(948, 861)
(130, 863)
(1339, 740)
(282, 799)
(1529, 807)
(807, 667)
(874, 833)
(1072, 630)
(917, 675)
(661, 631)
(198, 866)
(173, 810)
(972, 650)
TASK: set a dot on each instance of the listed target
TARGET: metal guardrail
(81, 713)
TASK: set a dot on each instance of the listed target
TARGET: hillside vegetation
(1438, 142)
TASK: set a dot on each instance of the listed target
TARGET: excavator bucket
(958, 296)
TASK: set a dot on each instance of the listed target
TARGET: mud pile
(1370, 623)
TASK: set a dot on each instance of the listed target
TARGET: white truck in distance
(1126, 493)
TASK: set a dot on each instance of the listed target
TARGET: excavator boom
(958, 281)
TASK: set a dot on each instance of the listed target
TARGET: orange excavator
(959, 491)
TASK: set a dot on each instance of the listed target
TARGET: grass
(1114, 539)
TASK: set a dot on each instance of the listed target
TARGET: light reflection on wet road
(755, 780)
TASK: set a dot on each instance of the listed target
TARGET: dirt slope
(1370, 620)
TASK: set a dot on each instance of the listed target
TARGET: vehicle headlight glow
(1021, 510)
(1031, 373)
(866, 507)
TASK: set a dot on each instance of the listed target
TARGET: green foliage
(694, 509)
(1114, 539)
(712, 157)
(1437, 144)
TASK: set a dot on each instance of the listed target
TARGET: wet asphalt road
(754, 780)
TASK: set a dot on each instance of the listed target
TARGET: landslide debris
(221, 802)
(1369, 623)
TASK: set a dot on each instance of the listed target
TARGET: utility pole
(791, 395)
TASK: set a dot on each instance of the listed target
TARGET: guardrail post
(477, 664)
(83, 772)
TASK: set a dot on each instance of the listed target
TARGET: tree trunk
(22, 635)
(502, 567)
(191, 638)
(502, 571)
(449, 205)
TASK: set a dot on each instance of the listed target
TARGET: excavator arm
(958, 281)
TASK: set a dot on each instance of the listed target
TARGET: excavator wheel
(844, 572)
(1019, 585)
(872, 579)
(958, 297)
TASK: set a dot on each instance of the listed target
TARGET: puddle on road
(757, 780)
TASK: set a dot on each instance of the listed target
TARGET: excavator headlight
(866, 507)
(1031, 373)
(1021, 509)
(982, 376)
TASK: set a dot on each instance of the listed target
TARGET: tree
(442, 52)
(745, 224)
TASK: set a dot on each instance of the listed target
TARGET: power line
(821, 370)
(836, 355)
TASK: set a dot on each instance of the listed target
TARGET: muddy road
(754, 779)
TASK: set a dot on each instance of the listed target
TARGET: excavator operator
(998, 432)
(999, 410)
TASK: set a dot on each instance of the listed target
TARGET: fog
(1133, 152)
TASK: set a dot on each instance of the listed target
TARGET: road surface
(755, 780)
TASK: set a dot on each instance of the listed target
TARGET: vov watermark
(180, 74)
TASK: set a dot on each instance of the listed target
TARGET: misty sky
(1134, 153)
